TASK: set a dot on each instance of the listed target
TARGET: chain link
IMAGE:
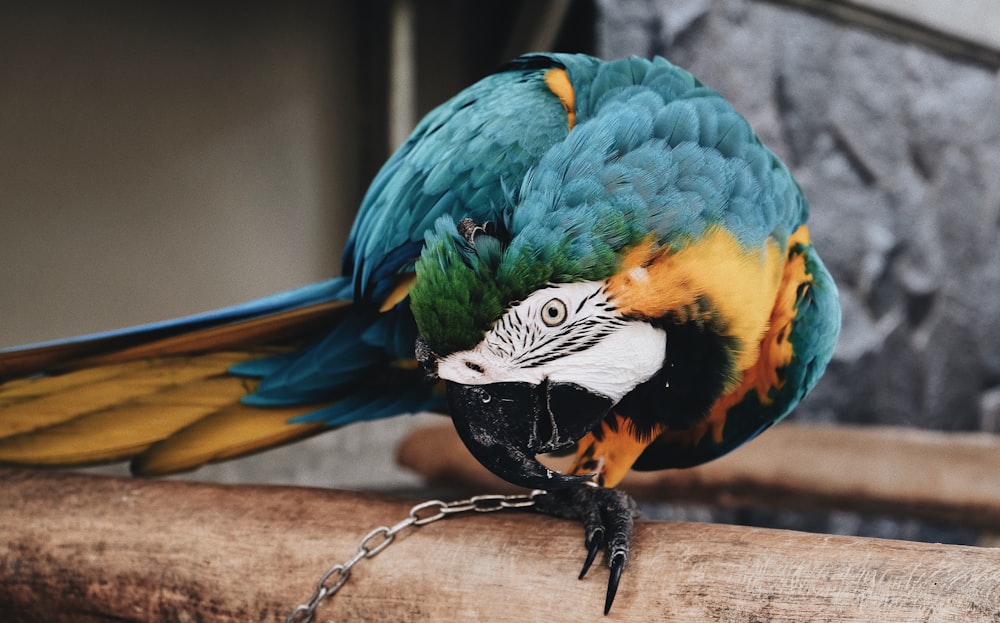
(381, 537)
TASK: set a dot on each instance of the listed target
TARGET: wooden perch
(86, 548)
(950, 477)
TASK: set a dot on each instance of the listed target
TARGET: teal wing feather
(465, 159)
(653, 152)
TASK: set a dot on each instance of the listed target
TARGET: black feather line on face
(505, 346)
(587, 299)
(576, 337)
(514, 334)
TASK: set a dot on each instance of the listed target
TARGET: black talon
(607, 517)
(617, 566)
(594, 544)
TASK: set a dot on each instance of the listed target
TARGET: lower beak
(505, 425)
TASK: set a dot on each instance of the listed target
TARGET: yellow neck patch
(644, 288)
(712, 280)
(776, 350)
(558, 82)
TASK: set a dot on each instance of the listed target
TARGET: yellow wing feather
(21, 390)
(46, 400)
(169, 401)
(118, 411)
(233, 431)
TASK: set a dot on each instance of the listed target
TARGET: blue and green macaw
(570, 253)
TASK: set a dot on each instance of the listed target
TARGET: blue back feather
(653, 151)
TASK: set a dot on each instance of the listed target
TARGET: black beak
(505, 425)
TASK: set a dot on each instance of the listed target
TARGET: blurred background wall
(165, 158)
(169, 157)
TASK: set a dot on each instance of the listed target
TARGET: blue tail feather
(321, 370)
(395, 331)
(375, 404)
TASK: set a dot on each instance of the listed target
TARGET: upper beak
(505, 425)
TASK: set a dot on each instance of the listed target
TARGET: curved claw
(594, 544)
(607, 517)
(617, 566)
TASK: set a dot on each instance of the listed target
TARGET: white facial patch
(566, 333)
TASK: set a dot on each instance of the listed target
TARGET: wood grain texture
(949, 477)
(86, 548)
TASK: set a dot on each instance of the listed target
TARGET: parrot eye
(554, 313)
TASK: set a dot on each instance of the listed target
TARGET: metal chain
(380, 538)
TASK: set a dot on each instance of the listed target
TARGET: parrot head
(546, 373)
(520, 322)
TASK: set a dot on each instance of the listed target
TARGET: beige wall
(158, 159)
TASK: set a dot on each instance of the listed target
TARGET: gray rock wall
(898, 150)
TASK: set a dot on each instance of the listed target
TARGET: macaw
(570, 254)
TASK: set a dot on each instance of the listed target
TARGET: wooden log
(86, 548)
(903, 472)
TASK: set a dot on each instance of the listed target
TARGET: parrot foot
(607, 516)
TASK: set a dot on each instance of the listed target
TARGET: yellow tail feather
(176, 413)
(20, 390)
(121, 431)
(39, 402)
(234, 431)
